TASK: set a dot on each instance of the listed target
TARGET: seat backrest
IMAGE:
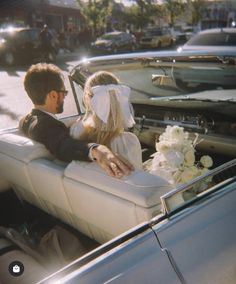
(14, 144)
(16, 151)
(47, 180)
(104, 206)
(80, 193)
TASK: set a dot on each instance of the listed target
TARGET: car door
(139, 260)
(201, 240)
(121, 41)
(162, 38)
(158, 35)
(165, 38)
(127, 41)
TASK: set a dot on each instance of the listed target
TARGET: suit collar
(36, 111)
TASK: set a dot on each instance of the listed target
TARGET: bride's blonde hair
(101, 132)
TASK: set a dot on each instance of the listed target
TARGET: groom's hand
(114, 165)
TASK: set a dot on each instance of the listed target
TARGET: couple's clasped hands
(114, 165)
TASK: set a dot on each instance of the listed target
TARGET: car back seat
(105, 207)
(46, 177)
(80, 193)
(16, 151)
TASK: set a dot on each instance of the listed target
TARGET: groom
(44, 84)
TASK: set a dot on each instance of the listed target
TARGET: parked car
(212, 39)
(157, 38)
(114, 42)
(182, 34)
(217, 72)
(22, 45)
(139, 228)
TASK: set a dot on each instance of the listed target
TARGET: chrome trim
(154, 54)
(165, 199)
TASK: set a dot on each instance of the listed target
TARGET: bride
(108, 113)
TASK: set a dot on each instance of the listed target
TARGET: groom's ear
(52, 95)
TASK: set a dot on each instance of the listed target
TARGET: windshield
(167, 76)
(214, 39)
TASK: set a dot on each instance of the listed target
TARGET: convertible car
(141, 228)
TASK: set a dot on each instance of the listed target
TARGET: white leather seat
(104, 206)
(39, 181)
(46, 178)
(16, 151)
(81, 193)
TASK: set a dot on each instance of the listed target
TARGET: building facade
(57, 14)
(218, 14)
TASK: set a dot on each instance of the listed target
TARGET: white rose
(189, 158)
(187, 146)
(195, 170)
(167, 132)
(158, 160)
(204, 171)
(177, 133)
(175, 158)
(187, 175)
(206, 161)
(163, 146)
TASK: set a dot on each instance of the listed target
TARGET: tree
(196, 7)
(174, 9)
(142, 13)
(143, 4)
(97, 14)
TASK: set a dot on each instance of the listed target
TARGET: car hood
(103, 42)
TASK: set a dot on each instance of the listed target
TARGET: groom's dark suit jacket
(53, 133)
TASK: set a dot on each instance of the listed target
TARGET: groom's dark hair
(40, 79)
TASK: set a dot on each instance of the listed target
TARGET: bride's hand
(114, 165)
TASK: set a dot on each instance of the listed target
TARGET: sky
(131, 2)
(126, 2)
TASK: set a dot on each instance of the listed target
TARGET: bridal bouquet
(175, 158)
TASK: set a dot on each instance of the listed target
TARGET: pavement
(77, 54)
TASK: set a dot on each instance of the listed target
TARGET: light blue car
(73, 223)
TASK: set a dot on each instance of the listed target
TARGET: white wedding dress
(126, 144)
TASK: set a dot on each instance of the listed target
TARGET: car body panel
(213, 39)
(192, 243)
(138, 260)
(201, 240)
(191, 237)
(198, 103)
(113, 42)
(156, 38)
(182, 34)
(23, 43)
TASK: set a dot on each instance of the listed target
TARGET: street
(14, 102)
